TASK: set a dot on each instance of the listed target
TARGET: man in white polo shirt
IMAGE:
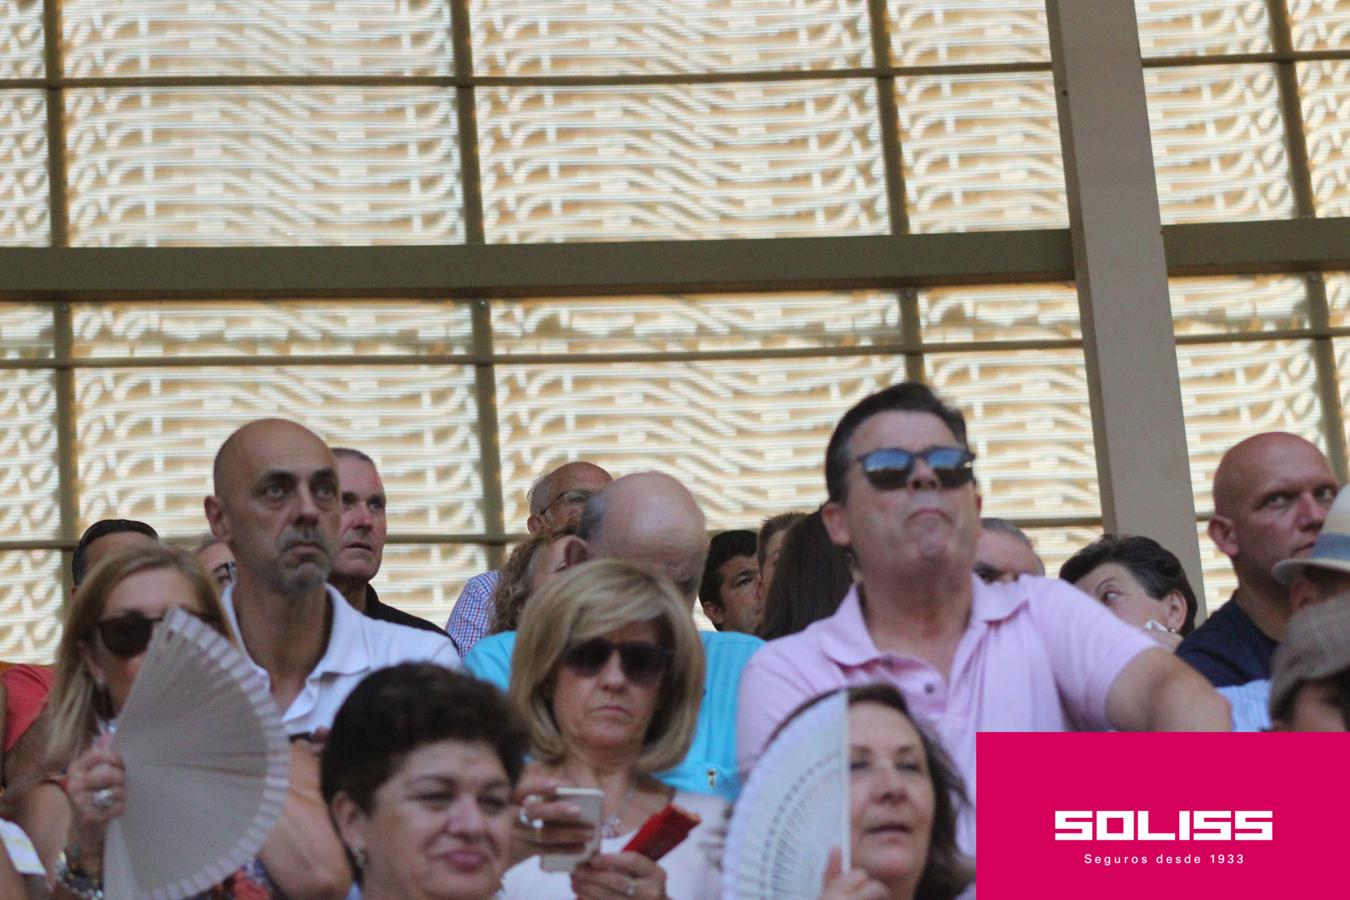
(277, 505)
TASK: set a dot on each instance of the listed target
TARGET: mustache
(293, 537)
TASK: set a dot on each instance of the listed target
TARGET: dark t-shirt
(1229, 648)
(386, 613)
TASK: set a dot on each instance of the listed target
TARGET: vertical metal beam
(1121, 272)
(1300, 173)
(67, 466)
(889, 116)
(56, 122)
(485, 377)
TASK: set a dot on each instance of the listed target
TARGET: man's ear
(832, 516)
(215, 517)
(568, 551)
(715, 612)
(1174, 611)
(1221, 533)
(534, 524)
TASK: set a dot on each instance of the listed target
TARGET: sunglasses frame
(958, 474)
(626, 662)
(140, 620)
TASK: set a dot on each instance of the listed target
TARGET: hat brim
(1286, 570)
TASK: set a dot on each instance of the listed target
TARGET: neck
(354, 589)
(1266, 603)
(921, 616)
(286, 635)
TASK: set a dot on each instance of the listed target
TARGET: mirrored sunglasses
(890, 467)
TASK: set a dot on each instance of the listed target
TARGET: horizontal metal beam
(539, 270)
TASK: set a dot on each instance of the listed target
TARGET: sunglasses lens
(642, 663)
(126, 636)
(888, 469)
(588, 657)
(952, 465)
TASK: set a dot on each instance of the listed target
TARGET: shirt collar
(347, 652)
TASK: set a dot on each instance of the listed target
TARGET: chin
(457, 885)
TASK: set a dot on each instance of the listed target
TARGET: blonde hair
(77, 701)
(589, 601)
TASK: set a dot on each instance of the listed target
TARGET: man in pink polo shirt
(1032, 654)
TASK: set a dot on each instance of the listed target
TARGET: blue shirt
(1228, 648)
(1251, 705)
(710, 765)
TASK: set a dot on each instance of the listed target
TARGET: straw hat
(1316, 646)
(1332, 550)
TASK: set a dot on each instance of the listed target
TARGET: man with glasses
(1028, 655)
(556, 501)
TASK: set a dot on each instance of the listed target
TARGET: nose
(922, 478)
(612, 676)
(307, 508)
(890, 784)
(1311, 513)
(466, 817)
(359, 515)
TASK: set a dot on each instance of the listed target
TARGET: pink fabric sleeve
(26, 689)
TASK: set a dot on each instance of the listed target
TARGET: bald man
(1271, 496)
(277, 506)
(555, 501)
(652, 519)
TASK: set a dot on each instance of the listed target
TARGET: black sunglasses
(890, 467)
(642, 662)
(128, 635)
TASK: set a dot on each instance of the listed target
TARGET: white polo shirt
(357, 646)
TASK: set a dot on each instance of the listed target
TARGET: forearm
(303, 854)
(1188, 706)
(1158, 692)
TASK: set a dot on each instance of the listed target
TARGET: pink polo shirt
(1037, 655)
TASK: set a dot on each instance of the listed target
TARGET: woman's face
(890, 795)
(607, 711)
(440, 827)
(149, 593)
(1119, 591)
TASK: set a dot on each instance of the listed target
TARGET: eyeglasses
(989, 574)
(890, 467)
(128, 635)
(642, 662)
(224, 573)
(577, 497)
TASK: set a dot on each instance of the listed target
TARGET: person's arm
(1157, 692)
(43, 812)
(303, 854)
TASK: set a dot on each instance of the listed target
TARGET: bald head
(1249, 461)
(650, 518)
(557, 499)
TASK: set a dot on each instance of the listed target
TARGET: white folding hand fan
(793, 810)
(207, 763)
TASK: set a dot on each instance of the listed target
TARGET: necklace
(609, 828)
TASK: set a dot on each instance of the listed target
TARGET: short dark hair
(811, 579)
(1156, 569)
(908, 396)
(771, 526)
(724, 546)
(1340, 686)
(79, 562)
(394, 711)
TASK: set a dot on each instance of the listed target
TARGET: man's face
(1317, 708)
(742, 603)
(918, 528)
(1285, 491)
(363, 526)
(572, 485)
(1004, 557)
(280, 514)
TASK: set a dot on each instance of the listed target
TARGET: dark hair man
(730, 592)
(1027, 655)
(100, 539)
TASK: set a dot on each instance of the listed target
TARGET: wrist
(76, 880)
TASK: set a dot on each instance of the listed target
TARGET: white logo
(1191, 825)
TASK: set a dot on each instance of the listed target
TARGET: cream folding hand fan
(793, 810)
(206, 761)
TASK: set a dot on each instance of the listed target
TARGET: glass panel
(981, 152)
(263, 166)
(1202, 27)
(1220, 582)
(29, 478)
(25, 215)
(425, 579)
(1218, 143)
(1338, 299)
(147, 437)
(688, 161)
(1238, 304)
(138, 38)
(1029, 423)
(925, 33)
(1232, 391)
(30, 605)
(1320, 24)
(21, 41)
(26, 331)
(1325, 88)
(748, 438)
(643, 37)
(1003, 313)
(275, 328)
(695, 323)
(1056, 543)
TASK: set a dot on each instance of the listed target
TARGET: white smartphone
(591, 802)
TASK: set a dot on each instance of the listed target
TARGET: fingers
(613, 875)
(549, 826)
(834, 866)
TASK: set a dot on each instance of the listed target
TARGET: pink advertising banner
(1156, 816)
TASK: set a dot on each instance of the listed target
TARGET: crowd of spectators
(453, 762)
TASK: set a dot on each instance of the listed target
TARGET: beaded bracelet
(86, 887)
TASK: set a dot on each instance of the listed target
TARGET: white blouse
(693, 869)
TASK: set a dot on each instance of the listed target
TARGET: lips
(466, 860)
(888, 828)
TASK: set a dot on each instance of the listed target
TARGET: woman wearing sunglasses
(107, 628)
(607, 675)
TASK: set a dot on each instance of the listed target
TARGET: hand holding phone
(591, 802)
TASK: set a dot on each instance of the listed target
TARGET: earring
(359, 857)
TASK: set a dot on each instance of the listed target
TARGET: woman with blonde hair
(108, 627)
(607, 675)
